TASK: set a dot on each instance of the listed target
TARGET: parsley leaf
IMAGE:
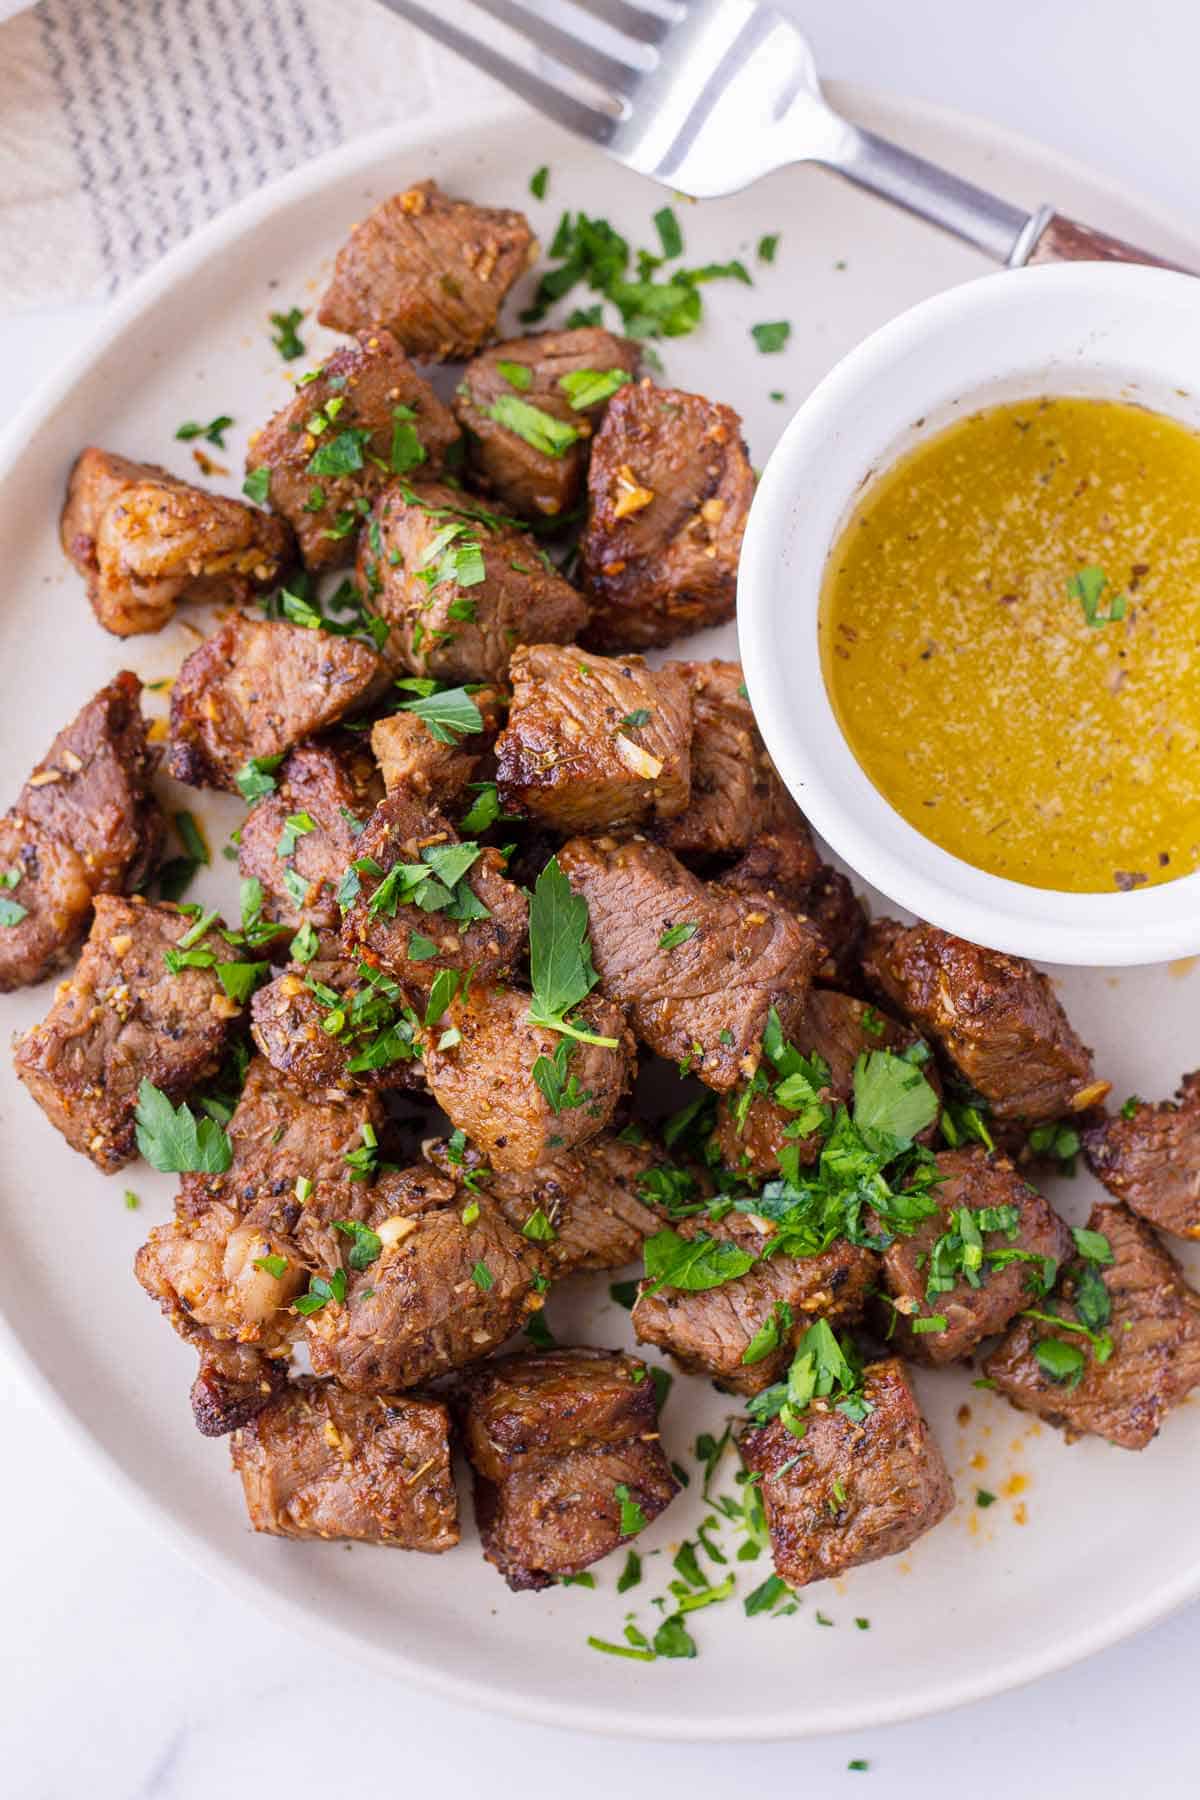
(677, 934)
(633, 1519)
(284, 335)
(257, 486)
(174, 1140)
(541, 430)
(1088, 587)
(448, 715)
(367, 1246)
(588, 387)
(342, 455)
(560, 955)
(694, 1265)
(771, 338)
(212, 433)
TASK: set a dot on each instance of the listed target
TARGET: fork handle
(1009, 234)
(1052, 237)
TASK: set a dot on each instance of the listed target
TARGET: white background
(124, 1673)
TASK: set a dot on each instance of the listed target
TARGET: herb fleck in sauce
(1010, 637)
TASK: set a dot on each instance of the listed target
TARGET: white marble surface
(125, 1673)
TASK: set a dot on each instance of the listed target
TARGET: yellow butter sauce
(959, 657)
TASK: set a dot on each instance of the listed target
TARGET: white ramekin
(1100, 329)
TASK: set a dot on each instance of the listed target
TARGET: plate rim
(608, 1720)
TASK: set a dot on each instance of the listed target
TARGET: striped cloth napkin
(125, 124)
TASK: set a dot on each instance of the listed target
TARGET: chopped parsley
(284, 335)
(669, 234)
(173, 1140)
(539, 181)
(561, 970)
(677, 934)
(367, 1245)
(447, 715)
(696, 1264)
(256, 778)
(483, 1278)
(342, 454)
(559, 1088)
(633, 1519)
(518, 375)
(212, 433)
(1089, 587)
(321, 1291)
(541, 430)
(767, 246)
(273, 1265)
(588, 387)
(257, 486)
(824, 1367)
(771, 338)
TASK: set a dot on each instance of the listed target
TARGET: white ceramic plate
(1083, 1545)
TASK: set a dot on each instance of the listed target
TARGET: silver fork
(706, 96)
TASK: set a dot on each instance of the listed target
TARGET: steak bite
(736, 795)
(412, 760)
(710, 1332)
(528, 408)
(143, 540)
(257, 688)
(1142, 1358)
(207, 1267)
(589, 1197)
(567, 1459)
(931, 1274)
(837, 1029)
(1149, 1156)
(994, 1016)
(459, 586)
(432, 270)
(786, 866)
(299, 840)
(849, 1492)
(698, 967)
(521, 1091)
(45, 903)
(121, 1018)
(321, 1463)
(329, 1025)
(92, 789)
(364, 418)
(592, 743)
(475, 921)
(442, 1291)
(669, 489)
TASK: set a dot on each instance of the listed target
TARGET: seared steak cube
(567, 1459)
(669, 489)
(321, 1463)
(45, 902)
(785, 866)
(849, 1493)
(1143, 1357)
(257, 688)
(995, 1017)
(459, 586)
(837, 1029)
(211, 1268)
(530, 405)
(144, 540)
(442, 1292)
(711, 1332)
(92, 789)
(432, 270)
(299, 840)
(698, 967)
(122, 1017)
(522, 1092)
(233, 1383)
(589, 1197)
(594, 743)
(1149, 1156)
(329, 1025)
(364, 419)
(916, 1268)
(410, 758)
(481, 927)
(736, 794)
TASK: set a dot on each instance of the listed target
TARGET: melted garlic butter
(963, 669)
